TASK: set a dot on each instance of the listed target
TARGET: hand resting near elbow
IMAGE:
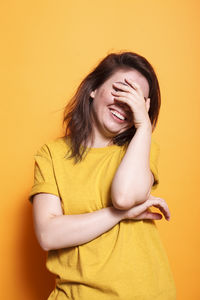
(141, 211)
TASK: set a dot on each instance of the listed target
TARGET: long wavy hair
(77, 113)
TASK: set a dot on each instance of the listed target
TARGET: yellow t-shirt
(128, 262)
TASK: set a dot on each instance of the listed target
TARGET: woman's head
(79, 112)
(111, 117)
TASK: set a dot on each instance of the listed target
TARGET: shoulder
(54, 148)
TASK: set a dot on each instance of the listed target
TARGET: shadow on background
(36, 277)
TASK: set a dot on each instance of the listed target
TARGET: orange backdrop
(47, 48)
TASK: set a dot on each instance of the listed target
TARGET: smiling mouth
(118, 115)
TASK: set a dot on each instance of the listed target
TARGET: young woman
(91, 193)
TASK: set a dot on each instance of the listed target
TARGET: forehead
(134, 75)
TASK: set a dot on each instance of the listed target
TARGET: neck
(97, 140)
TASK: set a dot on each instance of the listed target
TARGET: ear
(148, 104)
(92, 94)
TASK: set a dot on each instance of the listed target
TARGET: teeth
(117, 115)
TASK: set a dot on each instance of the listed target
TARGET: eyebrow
(127, 85)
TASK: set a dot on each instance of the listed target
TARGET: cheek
(103, 99)
(104, 91)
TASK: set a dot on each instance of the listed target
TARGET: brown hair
(77, 115)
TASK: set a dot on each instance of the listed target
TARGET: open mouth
(117, 115)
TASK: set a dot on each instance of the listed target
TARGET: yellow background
(47, 48)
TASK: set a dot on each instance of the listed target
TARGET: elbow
(121, 206)
(120, 201)
(124, 203)
(45, 247)
(43, 241)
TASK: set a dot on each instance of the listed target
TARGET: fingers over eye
(121, 93)
(118, 86)
(134, 85)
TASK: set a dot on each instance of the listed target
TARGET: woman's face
(104, 122)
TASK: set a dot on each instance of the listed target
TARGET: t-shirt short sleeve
(44, 178)
(154, 157)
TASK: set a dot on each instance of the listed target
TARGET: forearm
(133, 179)
(72, 230)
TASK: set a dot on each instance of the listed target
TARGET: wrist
(117, 213)
(145, 126)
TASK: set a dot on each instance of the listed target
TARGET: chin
(113, 131)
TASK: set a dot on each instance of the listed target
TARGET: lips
(120, 112)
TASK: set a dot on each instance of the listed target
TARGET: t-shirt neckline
(99, 149)
(103, 149)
